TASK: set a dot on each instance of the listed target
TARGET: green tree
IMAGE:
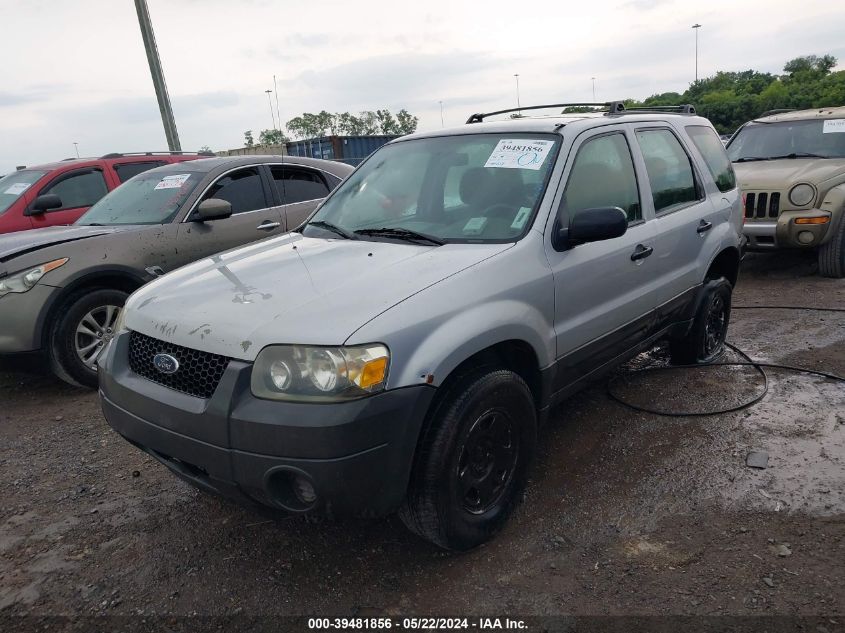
(249, 141)
(406, 121)
(272, 137)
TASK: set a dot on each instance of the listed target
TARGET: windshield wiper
(799, 155)
(333, 228)
(748, 159)
(401, 234)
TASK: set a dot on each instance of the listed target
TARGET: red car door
(77, 189)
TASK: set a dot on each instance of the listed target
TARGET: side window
(125, 171)
(669, 169)
(81, 189)
(603, 176)
(242, 189)
(297, 184)
(713, 152)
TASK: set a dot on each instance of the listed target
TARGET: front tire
(80, 333)
(832, 253)
(472, 461)
(705, 342)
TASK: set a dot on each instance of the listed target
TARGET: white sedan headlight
(26, 279)
(802, 195)
(306, 373)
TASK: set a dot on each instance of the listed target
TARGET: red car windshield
(13, 186)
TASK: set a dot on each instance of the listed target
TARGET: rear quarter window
(713, 152)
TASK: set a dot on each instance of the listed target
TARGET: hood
(16, 244)
(291, 289)
(783, 173)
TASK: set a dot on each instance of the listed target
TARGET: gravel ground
(626, 513)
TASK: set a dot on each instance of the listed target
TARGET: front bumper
(22, 317)
(785, 233)
(357, 455)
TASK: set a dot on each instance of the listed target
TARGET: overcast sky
(75, 70)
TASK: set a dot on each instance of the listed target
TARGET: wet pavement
(626, 513)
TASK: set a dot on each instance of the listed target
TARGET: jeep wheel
(832, 253)
(472, 461)
(80, 333)
(705, 341)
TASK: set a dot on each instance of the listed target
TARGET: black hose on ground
(750, 362)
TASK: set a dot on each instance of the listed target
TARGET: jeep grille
(762, 205)
(198, 373)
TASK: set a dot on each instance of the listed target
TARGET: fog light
(805, 237)
(304, 490)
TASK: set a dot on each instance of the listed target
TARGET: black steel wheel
(705, 341)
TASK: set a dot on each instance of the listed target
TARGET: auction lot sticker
(519, 153)
(17, 189)
(173, 182)
(833, 125)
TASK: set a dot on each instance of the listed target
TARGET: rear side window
(79, 189)
(241, 188)
(125, 171)
(297, 184)
(669, 170)
(713, 152)
(603, 176)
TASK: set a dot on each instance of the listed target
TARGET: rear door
(684, 213)
(604, 291)
(300, 189)
(78, 189)
(127, 170)
(253, 215)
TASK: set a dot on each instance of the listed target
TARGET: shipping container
(348, 149)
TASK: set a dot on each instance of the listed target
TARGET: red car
(58, 193)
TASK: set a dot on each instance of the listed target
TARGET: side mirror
(44, 204)
(594, 225)
(213, 209)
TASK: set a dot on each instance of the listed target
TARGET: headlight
(802, 195)
(319, 374)
(26, 279)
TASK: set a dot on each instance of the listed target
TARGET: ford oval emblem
(166, 363)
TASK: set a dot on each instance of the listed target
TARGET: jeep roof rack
(165, 152)
(776, 111)
(608, 107)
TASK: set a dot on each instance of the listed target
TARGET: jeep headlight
(26, 279)
(306, 373)
(801, 195)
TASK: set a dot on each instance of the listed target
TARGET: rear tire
(832, 253)
(472, 461)
(705, 342)
(80, 332)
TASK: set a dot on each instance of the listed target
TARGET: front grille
(762, 205)
(198, 373)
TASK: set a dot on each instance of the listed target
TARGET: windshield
(148, 198)
(468, 188)
(13, 186)
(789, 139)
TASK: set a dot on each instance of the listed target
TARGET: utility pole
(518, 105)
(695, 28)
(270, 101)
(76, 147)
(594, 89)
(276, 90)
(441, 113)
(158, 76)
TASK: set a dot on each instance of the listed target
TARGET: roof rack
(776, 111)
(610, 107)
(166, 152)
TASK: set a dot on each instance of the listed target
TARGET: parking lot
(626, 513)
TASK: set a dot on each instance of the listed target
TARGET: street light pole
(76, 147)
(518, 105)
(441, 113)
(695, 27)
(164, 107)
(276, 90)
(594, 88)
(270, 101)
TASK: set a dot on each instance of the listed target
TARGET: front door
(253, 216)
(78, 190)
(604, 291)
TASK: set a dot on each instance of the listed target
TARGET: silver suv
(400, 350)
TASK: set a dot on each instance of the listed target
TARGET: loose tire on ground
(832, 252)
(64, 338)
(705, 341)
(450, 502)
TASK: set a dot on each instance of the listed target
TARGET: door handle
(641, 252)
(268, 226)
(703, 227)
